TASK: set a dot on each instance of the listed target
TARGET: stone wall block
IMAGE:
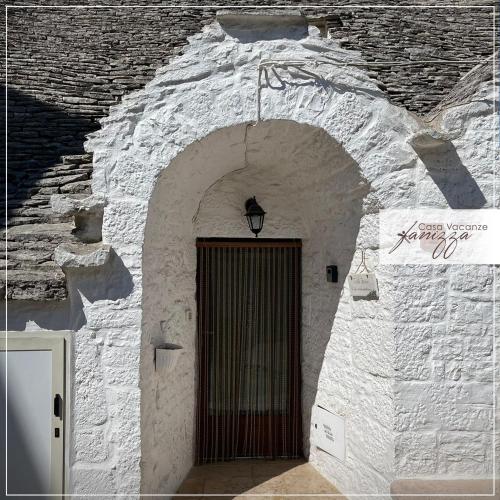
(91, 481)
(416, 453)
(472, 279)
(420, 300)
(124, 432)
(91, 445)
(124, 222)
(116, 365)
(90, 403)
(373, 352)
(114, 316)
(464, 453)
(412, 360)
(467, 312)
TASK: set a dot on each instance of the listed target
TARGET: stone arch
(311, 189)
(206, 100)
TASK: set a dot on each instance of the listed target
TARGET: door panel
(31, 375)
(248, 349)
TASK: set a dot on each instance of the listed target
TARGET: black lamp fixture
(255, 215)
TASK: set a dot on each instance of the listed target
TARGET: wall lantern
(255, 215)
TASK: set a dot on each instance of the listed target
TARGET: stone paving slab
(244, 477)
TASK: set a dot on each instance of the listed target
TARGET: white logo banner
(436, 236)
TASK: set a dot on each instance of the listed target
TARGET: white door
(32, 412)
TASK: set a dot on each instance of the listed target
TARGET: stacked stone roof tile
(67, 66)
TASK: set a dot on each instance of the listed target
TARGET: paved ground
(458, 489)
(273, 477)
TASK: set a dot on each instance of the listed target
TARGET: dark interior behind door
(249, 402)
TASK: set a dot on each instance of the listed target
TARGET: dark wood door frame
(272, 434)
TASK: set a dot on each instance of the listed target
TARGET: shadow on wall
(28, 479)
(335, 246)
(279, 79)
(452, 178)
(268, 31)
(311, 189)
(111, 282)
(38, 134)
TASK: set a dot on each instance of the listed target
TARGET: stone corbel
(82, 255)
(430, 140)
(265, 19)
(87, 211)
(268, 24)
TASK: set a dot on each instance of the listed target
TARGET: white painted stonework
(410, 372)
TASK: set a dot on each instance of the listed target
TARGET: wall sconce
(255, 215)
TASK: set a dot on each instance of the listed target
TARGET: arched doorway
(311, 189)
(163, 161)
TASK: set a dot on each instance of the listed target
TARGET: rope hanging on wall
(300, 65)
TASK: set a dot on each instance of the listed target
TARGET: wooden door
(249, 402)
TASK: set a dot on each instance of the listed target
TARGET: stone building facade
(178, 132)
(67, 66)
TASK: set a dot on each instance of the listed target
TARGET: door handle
(58, 406)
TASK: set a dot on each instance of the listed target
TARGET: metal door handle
(58, 406)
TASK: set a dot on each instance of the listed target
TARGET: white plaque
(363, 285)
(328, 432)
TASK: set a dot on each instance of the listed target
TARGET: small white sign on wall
(363, 285)
(329, 432)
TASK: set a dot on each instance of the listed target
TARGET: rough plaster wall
(356, 382)
(103, 449)
(444, 340)
(310, 189)
(68, 63)
(169, 265)
(209, 88)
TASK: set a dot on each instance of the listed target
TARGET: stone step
(36, 211)
(60, 180)
(38, 246)
(21, 221)
(58, 172)
(24, 218)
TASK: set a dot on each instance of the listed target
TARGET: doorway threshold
(240, 479)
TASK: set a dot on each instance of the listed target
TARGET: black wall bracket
(332, 274)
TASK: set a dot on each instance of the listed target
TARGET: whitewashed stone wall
(304, 179)
(444, 357)
(207, 90)
(175, 161)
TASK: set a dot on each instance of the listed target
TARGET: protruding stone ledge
(82, 255)
(428, 140)
(267, 24)
(71, 205)
(87, 211)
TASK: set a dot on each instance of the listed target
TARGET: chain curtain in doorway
(248, 349)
